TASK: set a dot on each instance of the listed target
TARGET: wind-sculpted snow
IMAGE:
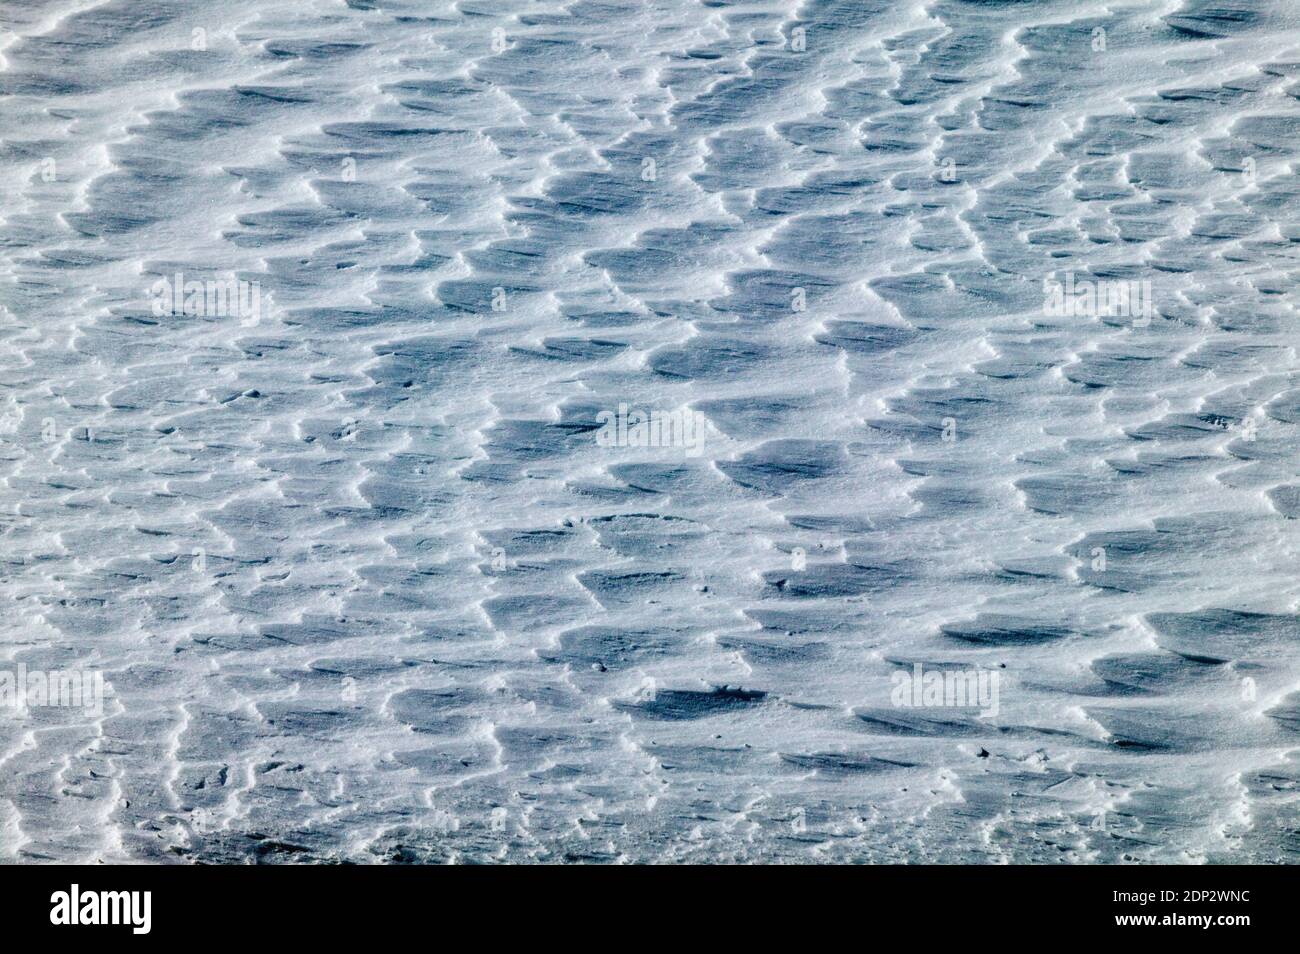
(595, 421)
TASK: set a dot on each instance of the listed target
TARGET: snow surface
(366, 585)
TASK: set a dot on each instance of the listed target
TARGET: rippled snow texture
(367, 588)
